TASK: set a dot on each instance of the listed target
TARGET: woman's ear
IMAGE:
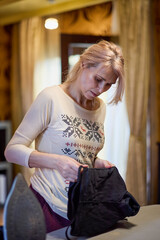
(83, 65)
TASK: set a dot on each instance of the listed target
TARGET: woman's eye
(98, 80)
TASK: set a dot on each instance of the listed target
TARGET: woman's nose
(100, 90)
(101, 87)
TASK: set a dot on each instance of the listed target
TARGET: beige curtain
(154, 103)
(29, 43)
(134, 39)
(35, 65)
(26, 40)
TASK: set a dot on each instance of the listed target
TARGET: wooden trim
(66, 39)
(20, 10)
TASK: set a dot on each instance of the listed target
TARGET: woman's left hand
(100, 163)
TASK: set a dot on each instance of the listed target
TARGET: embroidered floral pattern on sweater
(82, 146)
(79, 154)
(83, 129)
(72, 127)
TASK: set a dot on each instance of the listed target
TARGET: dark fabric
(98, 200)
(53, 220)
(1, 232)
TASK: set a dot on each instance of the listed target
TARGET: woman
(66, 122)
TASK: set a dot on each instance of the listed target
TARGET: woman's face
(96, 80)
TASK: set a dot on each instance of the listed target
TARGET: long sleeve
(35, 121)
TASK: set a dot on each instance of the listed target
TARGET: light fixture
(51, 23)
(51, 1)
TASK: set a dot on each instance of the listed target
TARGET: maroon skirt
(52, 219)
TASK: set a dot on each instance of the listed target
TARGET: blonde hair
(108, 54)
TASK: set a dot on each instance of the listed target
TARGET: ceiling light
(51, 1)
(51, 23)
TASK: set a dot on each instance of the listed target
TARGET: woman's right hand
(68, 168)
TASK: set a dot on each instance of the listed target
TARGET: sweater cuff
(27, 157)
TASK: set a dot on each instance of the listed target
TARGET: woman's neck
(72, 90)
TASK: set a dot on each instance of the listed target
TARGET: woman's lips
(94, 94)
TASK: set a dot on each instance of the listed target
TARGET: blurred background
(41, 40)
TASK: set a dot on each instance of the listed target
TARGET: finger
(109, 165)
(75, 165)
(71, 179)
(84, 165)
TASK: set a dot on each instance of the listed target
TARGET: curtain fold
(26, 40)
(135, 42)
(30, 39)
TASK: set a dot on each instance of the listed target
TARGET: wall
(5, 72)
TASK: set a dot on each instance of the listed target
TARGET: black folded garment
(97, 201)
